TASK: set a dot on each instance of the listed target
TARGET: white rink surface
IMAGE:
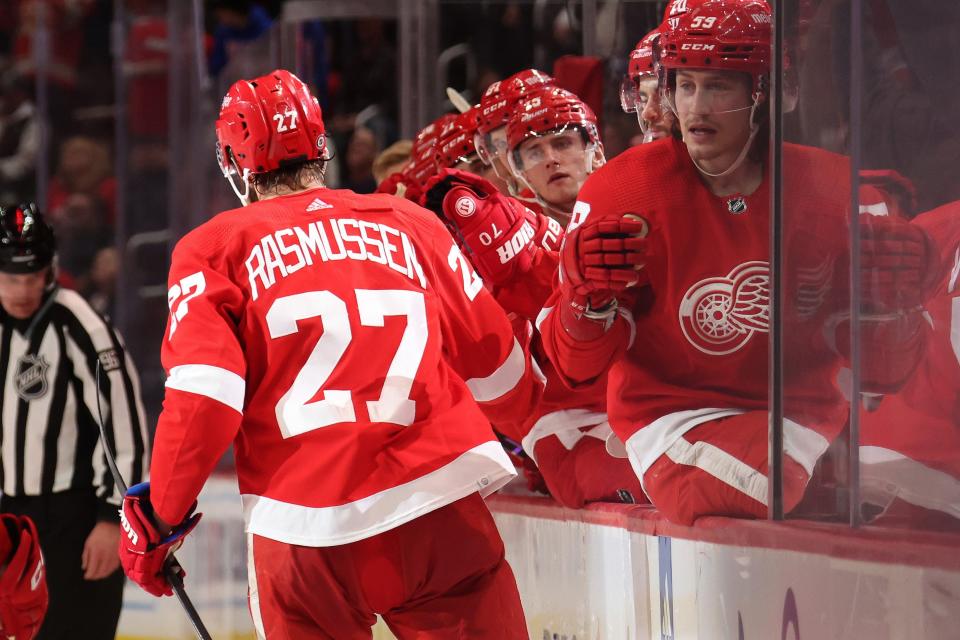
(593, 581)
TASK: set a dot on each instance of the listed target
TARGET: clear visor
(491, 145)
(560, 145)
(628, 95)
(711, 95)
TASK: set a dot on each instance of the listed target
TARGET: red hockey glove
(548, 232)
(143, 547)
(599, 260)
(398, 184)
(23, 585)
(899, 264)
(492, 229)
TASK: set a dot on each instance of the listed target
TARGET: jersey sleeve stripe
(542, 316)
(212, 382)
(501, 381)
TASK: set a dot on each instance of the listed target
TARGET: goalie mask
(267, 123)
(23, 583)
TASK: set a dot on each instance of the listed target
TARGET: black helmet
(26, 240)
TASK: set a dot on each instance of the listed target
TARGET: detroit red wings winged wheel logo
(719, 315)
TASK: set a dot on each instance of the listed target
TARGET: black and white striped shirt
(49, 441)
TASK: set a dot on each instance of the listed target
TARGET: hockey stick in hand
(171, 569)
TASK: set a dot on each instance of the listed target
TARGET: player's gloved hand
(899, 264)
(492, 229)
(143, 546)
(398, 184)
(548, 232)
(599, 260)
(23, 584)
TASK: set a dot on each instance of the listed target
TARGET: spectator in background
(82, 225)
(84, 167)
(240, 48)
(392, 159)
(101, 281)
(19, 138)
(362, 148)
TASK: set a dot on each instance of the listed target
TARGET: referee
(52, 464)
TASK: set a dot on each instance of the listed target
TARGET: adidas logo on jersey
(318, 204)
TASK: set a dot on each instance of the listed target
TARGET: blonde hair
(397, 153)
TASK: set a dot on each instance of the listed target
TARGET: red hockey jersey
(342, 342)
(697, 345)
(910, 445)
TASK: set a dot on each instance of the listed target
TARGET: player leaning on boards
(53, 463)
(342, 342)
(685, 338)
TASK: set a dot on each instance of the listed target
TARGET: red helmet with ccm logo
(267, 123)
(497, 101)
(422, 161)
(728, 35)
(23, 584)
(455, 143)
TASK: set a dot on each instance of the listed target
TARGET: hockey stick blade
(171, 568)
(456, 98)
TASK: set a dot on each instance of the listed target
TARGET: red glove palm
(899, 264)
(23, 585)
(492, 229)
(143, 547)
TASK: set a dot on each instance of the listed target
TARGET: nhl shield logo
(736, 205)
(31, 377)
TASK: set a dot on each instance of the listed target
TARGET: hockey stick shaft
(171, 568)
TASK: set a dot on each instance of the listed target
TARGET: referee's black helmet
(27, 243)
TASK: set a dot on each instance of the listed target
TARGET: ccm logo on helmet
(509, 250)
(687, 46)
(134, 538)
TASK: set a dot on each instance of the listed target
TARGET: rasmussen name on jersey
(286, 251)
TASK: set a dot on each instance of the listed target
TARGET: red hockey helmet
(422, 162)
(267, 123)
(728, 35)
(455, 143)
(550, 110)
(675, 9)
(23, 585)
(497, 101)
(640, 65)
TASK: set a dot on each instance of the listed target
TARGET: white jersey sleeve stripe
(213, 382)
(501, 381)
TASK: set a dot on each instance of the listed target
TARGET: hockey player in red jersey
(910, 442)
(640, 93)
(499, 100)
(665, 280)
(567, 433)
(343, 344)
(552, 146)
